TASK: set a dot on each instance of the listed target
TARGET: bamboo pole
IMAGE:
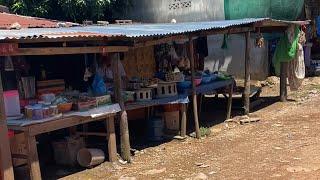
(124, 128)
(6, 170)
(194, 93)
(247, 75)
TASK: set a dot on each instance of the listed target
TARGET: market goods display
(144, 94)
(166, 89)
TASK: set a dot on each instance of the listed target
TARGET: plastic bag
(98, 86)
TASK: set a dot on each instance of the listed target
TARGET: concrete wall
(232, 60)
(163, 11)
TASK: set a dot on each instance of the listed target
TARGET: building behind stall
(312, 8)
(230, 59)
(4, 9)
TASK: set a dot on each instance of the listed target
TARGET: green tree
(70, 10)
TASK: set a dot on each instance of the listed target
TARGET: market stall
(171, 84)
(31, 129)
(36, 105)
(175, 87)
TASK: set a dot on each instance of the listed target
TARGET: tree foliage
(70, 10)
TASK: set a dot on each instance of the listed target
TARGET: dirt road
(285, 144)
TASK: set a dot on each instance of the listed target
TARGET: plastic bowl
(64, 108)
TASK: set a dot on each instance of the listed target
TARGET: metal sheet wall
(163, 11)
(277, 9)
(232, 59)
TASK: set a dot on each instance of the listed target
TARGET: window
(179, 4)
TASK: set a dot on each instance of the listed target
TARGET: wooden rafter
(43, 51)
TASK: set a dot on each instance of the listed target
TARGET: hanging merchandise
(259, 40)
(173, 53)
(87, 75)
(43, 72)
(29, 87)
(184, 63)
(286, 49)
(318, 25)
(225, 42)
(297, 67)
(8, 64)
(98, 86)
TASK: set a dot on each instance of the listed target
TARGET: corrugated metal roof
(130, 31)
(7, 20)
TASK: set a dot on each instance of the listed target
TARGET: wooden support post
(194, 93)
(183, 132)
(6, 170)
(283, 82)
(229, 108)
(112, 144)
(33, 161)
(200, 104)
(124, 127)
(247, 76)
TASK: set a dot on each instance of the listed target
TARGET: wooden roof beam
(66, 50)
(153, 42)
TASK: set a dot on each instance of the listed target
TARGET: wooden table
(183, 100)
(31, 131)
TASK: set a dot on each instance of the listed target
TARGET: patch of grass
(314, 87)
(204, 131)
(305, 91)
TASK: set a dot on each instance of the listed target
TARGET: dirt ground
(285, 144)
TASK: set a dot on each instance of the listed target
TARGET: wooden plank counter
(32, 129)
(183, 99)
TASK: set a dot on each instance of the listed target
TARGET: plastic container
(12, 103)
(53, 110)
(197, 81)
(37, 113)
(64, 108)
(102, 100)
(10, 134)
(90, 157)
(46, 112)
(28, 112)
(48, 98)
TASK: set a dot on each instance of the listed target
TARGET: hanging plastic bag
(8, 64)
(225, 42)
(98, 86)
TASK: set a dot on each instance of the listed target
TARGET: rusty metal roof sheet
(8, 21)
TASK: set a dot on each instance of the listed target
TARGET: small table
(183, 100)
(34, 128)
